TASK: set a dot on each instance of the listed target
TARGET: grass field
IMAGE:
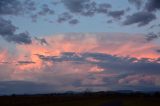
(82, 99)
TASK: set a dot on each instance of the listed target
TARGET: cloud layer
(8, 32)
(141, 18)
(77, 61)
(64, 62)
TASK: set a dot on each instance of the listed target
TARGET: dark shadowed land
(83, 99)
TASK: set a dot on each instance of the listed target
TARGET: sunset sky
(73, 45)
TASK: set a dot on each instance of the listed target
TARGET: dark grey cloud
(21, 38)
(8, 32)
(29, 6)
(76, 6)
(42, 41)
(64, 17)
(16, 7)
(73, 21)
(158, 50)
(152, 36)
(82, 7)
(116, 14)
(24, 87)
(66, 56)
(140, 18)
(119, 73)
(45, 10)
(89, 8)
(10, 7)
(103, 8)
(137, 3)
(152, 5)
(86, 7)
(34, 13)
(109, 62)
(134, 72)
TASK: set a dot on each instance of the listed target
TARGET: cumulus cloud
(149, 5)
(108, 58)
(86, 7)
(8, 7)
(152, 36)
(46, 10)
(78, 6)
(139, 79)
(137, 3)
(103, 8)
(100, 70)
(140, 18)
(64, 17)
(42, 41)
(16, 7)
(158, 51)
(116, 14)
(152, 5)
(73, 21)
(89, 8)
(8, 32)
(107, 62)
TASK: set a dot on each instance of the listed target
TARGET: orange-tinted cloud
(66, 69)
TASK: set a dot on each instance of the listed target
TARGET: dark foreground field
(83, 99)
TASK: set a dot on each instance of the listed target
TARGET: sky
(51, 46)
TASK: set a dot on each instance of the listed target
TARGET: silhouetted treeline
(83, 99)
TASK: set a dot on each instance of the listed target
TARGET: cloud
(16, 7)
(8, 7)
(73, 21)
(149, 5)
(24, 87)
(140, 79)
(8, 32)
(45, 10)
(107, 58)
(152, 5)
(116, 14)
(154, 26)
(158, 51)
(103, 8)
(86, 7)
(83, 8)
(107, 62)
(25, 62)
(100, 70)
(110, 21)
(77, 6)
(137, 3)
(42, 41)
(152, 36)
(64, 17)
(140, 18)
